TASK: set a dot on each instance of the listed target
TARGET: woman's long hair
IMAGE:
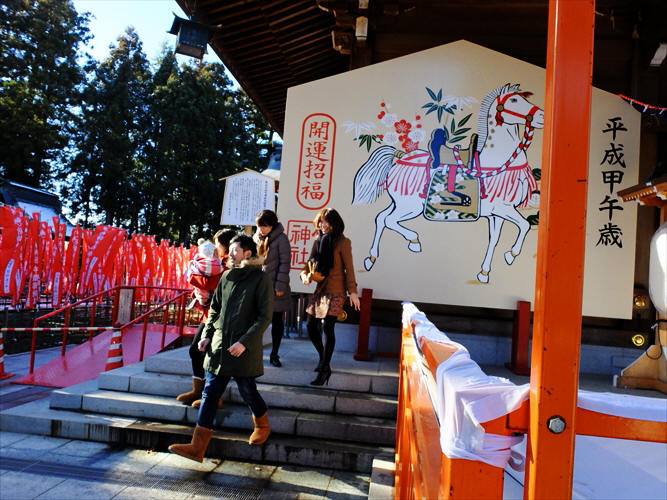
(334, 219)
(327, 242)
(267, 218)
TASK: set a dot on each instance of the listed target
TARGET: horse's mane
(483, 116)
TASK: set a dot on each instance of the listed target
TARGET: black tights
(324, 350)
(277, 330)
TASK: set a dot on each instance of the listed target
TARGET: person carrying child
(207, 284)
(207, 265)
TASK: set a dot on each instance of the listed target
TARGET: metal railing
(175, 305)
(180, 297)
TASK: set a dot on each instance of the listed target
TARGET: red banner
(57, 262)
(32, 262)
(34, 254)
(72, 260)
(14, 227)
(97, 261)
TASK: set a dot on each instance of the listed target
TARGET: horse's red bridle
(522, 146)
(500, 108)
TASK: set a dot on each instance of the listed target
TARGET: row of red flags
(35, 259)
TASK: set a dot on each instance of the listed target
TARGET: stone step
(134, 379)
(234, 414)
(38, 418)
(380, 377)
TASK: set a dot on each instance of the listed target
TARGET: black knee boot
(313, 326)
(328, 348)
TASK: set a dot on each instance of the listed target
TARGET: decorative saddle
(451, 195)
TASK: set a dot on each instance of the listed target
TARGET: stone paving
(44, 467)
(53, 468)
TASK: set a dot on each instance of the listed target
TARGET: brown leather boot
(195, 450)
(194, 394)
(197, 403)
(262, 429)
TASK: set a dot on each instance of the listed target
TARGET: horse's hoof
(483, 277)
(509, 258)
(415, 246)
(368, 263)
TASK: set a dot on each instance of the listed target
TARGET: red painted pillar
(560, 250)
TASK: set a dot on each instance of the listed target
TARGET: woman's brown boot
(262, 429)
(194, 394)
(195, 450)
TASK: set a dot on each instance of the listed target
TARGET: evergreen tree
(107, 171)
(138, 147)
(159, 162)
(204, 130)
(40, 81)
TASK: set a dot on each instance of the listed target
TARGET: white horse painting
(499, 161)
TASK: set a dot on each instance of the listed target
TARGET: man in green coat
(240, 311)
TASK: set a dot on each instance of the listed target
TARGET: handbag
(311, 274)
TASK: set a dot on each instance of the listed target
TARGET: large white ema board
(434, 162)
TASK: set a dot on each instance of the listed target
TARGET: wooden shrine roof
(271, 45)
(651, 193)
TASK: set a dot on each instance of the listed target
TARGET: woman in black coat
(273, 245)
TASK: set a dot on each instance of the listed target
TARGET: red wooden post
(33, 344)
(554, 376)
(164, 324)
(65, 330)
(361, 353)
(92, 318)
(114, 309)
(181, 315)
(520, 339)
(143, 339)
(134, 299)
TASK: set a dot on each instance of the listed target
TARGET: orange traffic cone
(115, 356)
(3, 375)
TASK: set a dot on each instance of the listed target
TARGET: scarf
(323, 256)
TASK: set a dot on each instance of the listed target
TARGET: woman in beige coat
(330, 265)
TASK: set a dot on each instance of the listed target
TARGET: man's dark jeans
(215, 387)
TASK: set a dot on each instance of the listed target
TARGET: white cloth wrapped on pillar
(466, 397)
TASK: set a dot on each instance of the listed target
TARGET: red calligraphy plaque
(318, 139)
(301, 234)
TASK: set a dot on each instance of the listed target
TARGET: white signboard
(434, 162)
(245, 195)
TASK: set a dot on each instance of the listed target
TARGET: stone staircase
(343, 425)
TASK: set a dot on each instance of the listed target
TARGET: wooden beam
(311, 54)
(560, 250)
(275, 17)
(591, 423)
(323, 38)
(271, 53)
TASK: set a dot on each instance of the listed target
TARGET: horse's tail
(368, 179)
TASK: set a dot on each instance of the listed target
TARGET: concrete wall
(484, 349)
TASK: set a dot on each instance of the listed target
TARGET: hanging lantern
(191, 36)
